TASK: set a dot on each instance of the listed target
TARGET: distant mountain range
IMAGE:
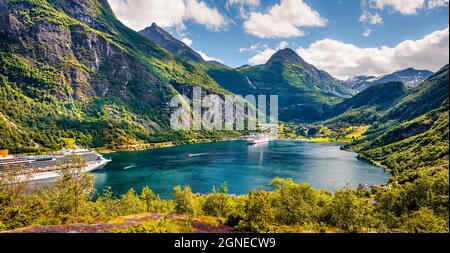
(410, 77)
(304, 91)
(392, 101)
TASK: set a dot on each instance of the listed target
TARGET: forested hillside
(420, 143)
(367, 106)
(412, 132)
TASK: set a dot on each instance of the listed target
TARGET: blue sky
(343, 37)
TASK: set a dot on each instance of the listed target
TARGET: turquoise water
(243, 167)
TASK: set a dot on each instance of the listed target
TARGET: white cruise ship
(47, 166)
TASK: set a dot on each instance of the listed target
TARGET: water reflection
(256, 152)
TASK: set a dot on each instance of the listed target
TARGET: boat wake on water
(195, 155)
(129, 167)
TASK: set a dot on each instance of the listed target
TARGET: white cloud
(204, 15)
(283, 45)
(138, 14)
(207, 57)
(264, 55)
(187, 41)
(405, 7)
(434, 4)
(346, 60)
(373, 19)
(252, 48)
(283, 20)
(252, 3)
(367, 33)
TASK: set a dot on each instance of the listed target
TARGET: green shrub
(184, 200)
(149, 198)
(349, 212)
(219, 204)
(258, 212)
(425, 221)
(294, 203)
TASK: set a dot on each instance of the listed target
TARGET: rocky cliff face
(75, 48)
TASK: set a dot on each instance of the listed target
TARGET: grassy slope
(419, 143)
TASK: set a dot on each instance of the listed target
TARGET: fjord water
(243, 167)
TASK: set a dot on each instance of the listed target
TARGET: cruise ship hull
(93, 166)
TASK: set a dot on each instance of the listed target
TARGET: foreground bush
(294, 204)
(349, 212)
(258, 212)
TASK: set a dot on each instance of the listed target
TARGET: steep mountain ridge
(229, 78)
(168, 42)
(288, 58)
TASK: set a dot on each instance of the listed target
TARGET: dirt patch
(120, 223)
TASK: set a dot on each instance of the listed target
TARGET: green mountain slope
(414, 133)
(419, 143)
(70, 69)
(426, 97)
(366, 107)
(304, 91)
